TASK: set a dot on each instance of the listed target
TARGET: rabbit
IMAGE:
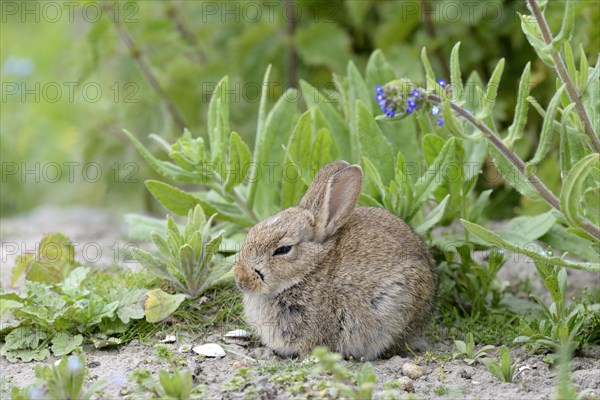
(357, 280)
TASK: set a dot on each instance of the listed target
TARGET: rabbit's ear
(339, 200)
(313, 198)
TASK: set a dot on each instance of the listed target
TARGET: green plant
(62, 380)
(331, 363)
(467, 349)
(505, 370)
(186, 257)
(177, 385)
(561, 325)
(58, 316)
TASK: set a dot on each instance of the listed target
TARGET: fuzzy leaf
(373, 144)
(433, 217)
(159, 305)
(515, 130)
(570, 194)
(239, 162)
(64, 343)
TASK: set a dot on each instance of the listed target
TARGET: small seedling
(186, 258)
(63, 380)
(467, 349)
(178, 385)
(505, 370)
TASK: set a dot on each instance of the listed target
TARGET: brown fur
(357, 279)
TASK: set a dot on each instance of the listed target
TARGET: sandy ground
(95, 229)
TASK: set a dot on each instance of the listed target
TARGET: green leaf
(494, 368)
(570, 194)
(130, 303)
(373, 144)
(218, 121)
(512, 175)
(570, 147)
(532, 227)
(433, 177)
(432, 145)
(496, 240)
(139, 227)
(566, 29)
(64, 343)
(323, 43)
(546, 133)
(492, 88)
(515, 130)
(8, 304)
(532, 31)
(591, 204)
(240, 161)
(321, 149)
(297, 162)
(558, 238)
(172, 198)
(159, 305)
(164, 168)
(433, 217)
(455, 76)
(379, 71)
(72, 284)
(373, 178)
(339, 128)
(429, 75)
(357, 90)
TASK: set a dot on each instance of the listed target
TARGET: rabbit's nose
(260, 275)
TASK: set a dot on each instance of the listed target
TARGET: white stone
(169, 339)
(237, 334)
(211, 350)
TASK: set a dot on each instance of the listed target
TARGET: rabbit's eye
(282, 250)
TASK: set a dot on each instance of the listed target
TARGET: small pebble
(211, 350)
(237, 334)
(411, 370)
(169, 339)
(185, 348)
(406, 384)
(465, 374)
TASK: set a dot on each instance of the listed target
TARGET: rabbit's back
(373, 290)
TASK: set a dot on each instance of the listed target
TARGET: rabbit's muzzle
(248, 279)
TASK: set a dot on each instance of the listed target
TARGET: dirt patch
(440, 379)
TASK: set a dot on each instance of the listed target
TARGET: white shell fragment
(237, 334)
(211, 350)
(169, 339)
(411, 370)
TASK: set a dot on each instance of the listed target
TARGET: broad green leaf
(64, 343)
(512, 175)
(379, 71)
(532, 31)
(559, 238)
(240, 161)
(357, 90)
(278, 126)
(140, 226)
(433, 217)
(172, 198)
(339, 128)
(570, 148)
(570, 194)
(479, 205)
(591, 204)
(159, 305)
(432, 145)
(494, 239)
(321, 150)
(322, 43)
(8, 304)
(297, 162)
(532, 227)
(515, 130)
(373, 144)
(218, 121)
(546, 133)
(373, 178)
(72, 283)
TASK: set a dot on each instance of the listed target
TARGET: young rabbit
(327, 273)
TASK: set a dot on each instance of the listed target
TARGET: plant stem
(514, 159)
(563, 74)
(173, 13)
(138, 56)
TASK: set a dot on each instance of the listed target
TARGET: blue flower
(378, 89)
(441, 82)
(379, 97)
(435, 110)
(74, 363)
(416, 93)
(412, 103)
(440, 121)
(390, 113)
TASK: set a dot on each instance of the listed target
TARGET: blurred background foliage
(187, 46)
